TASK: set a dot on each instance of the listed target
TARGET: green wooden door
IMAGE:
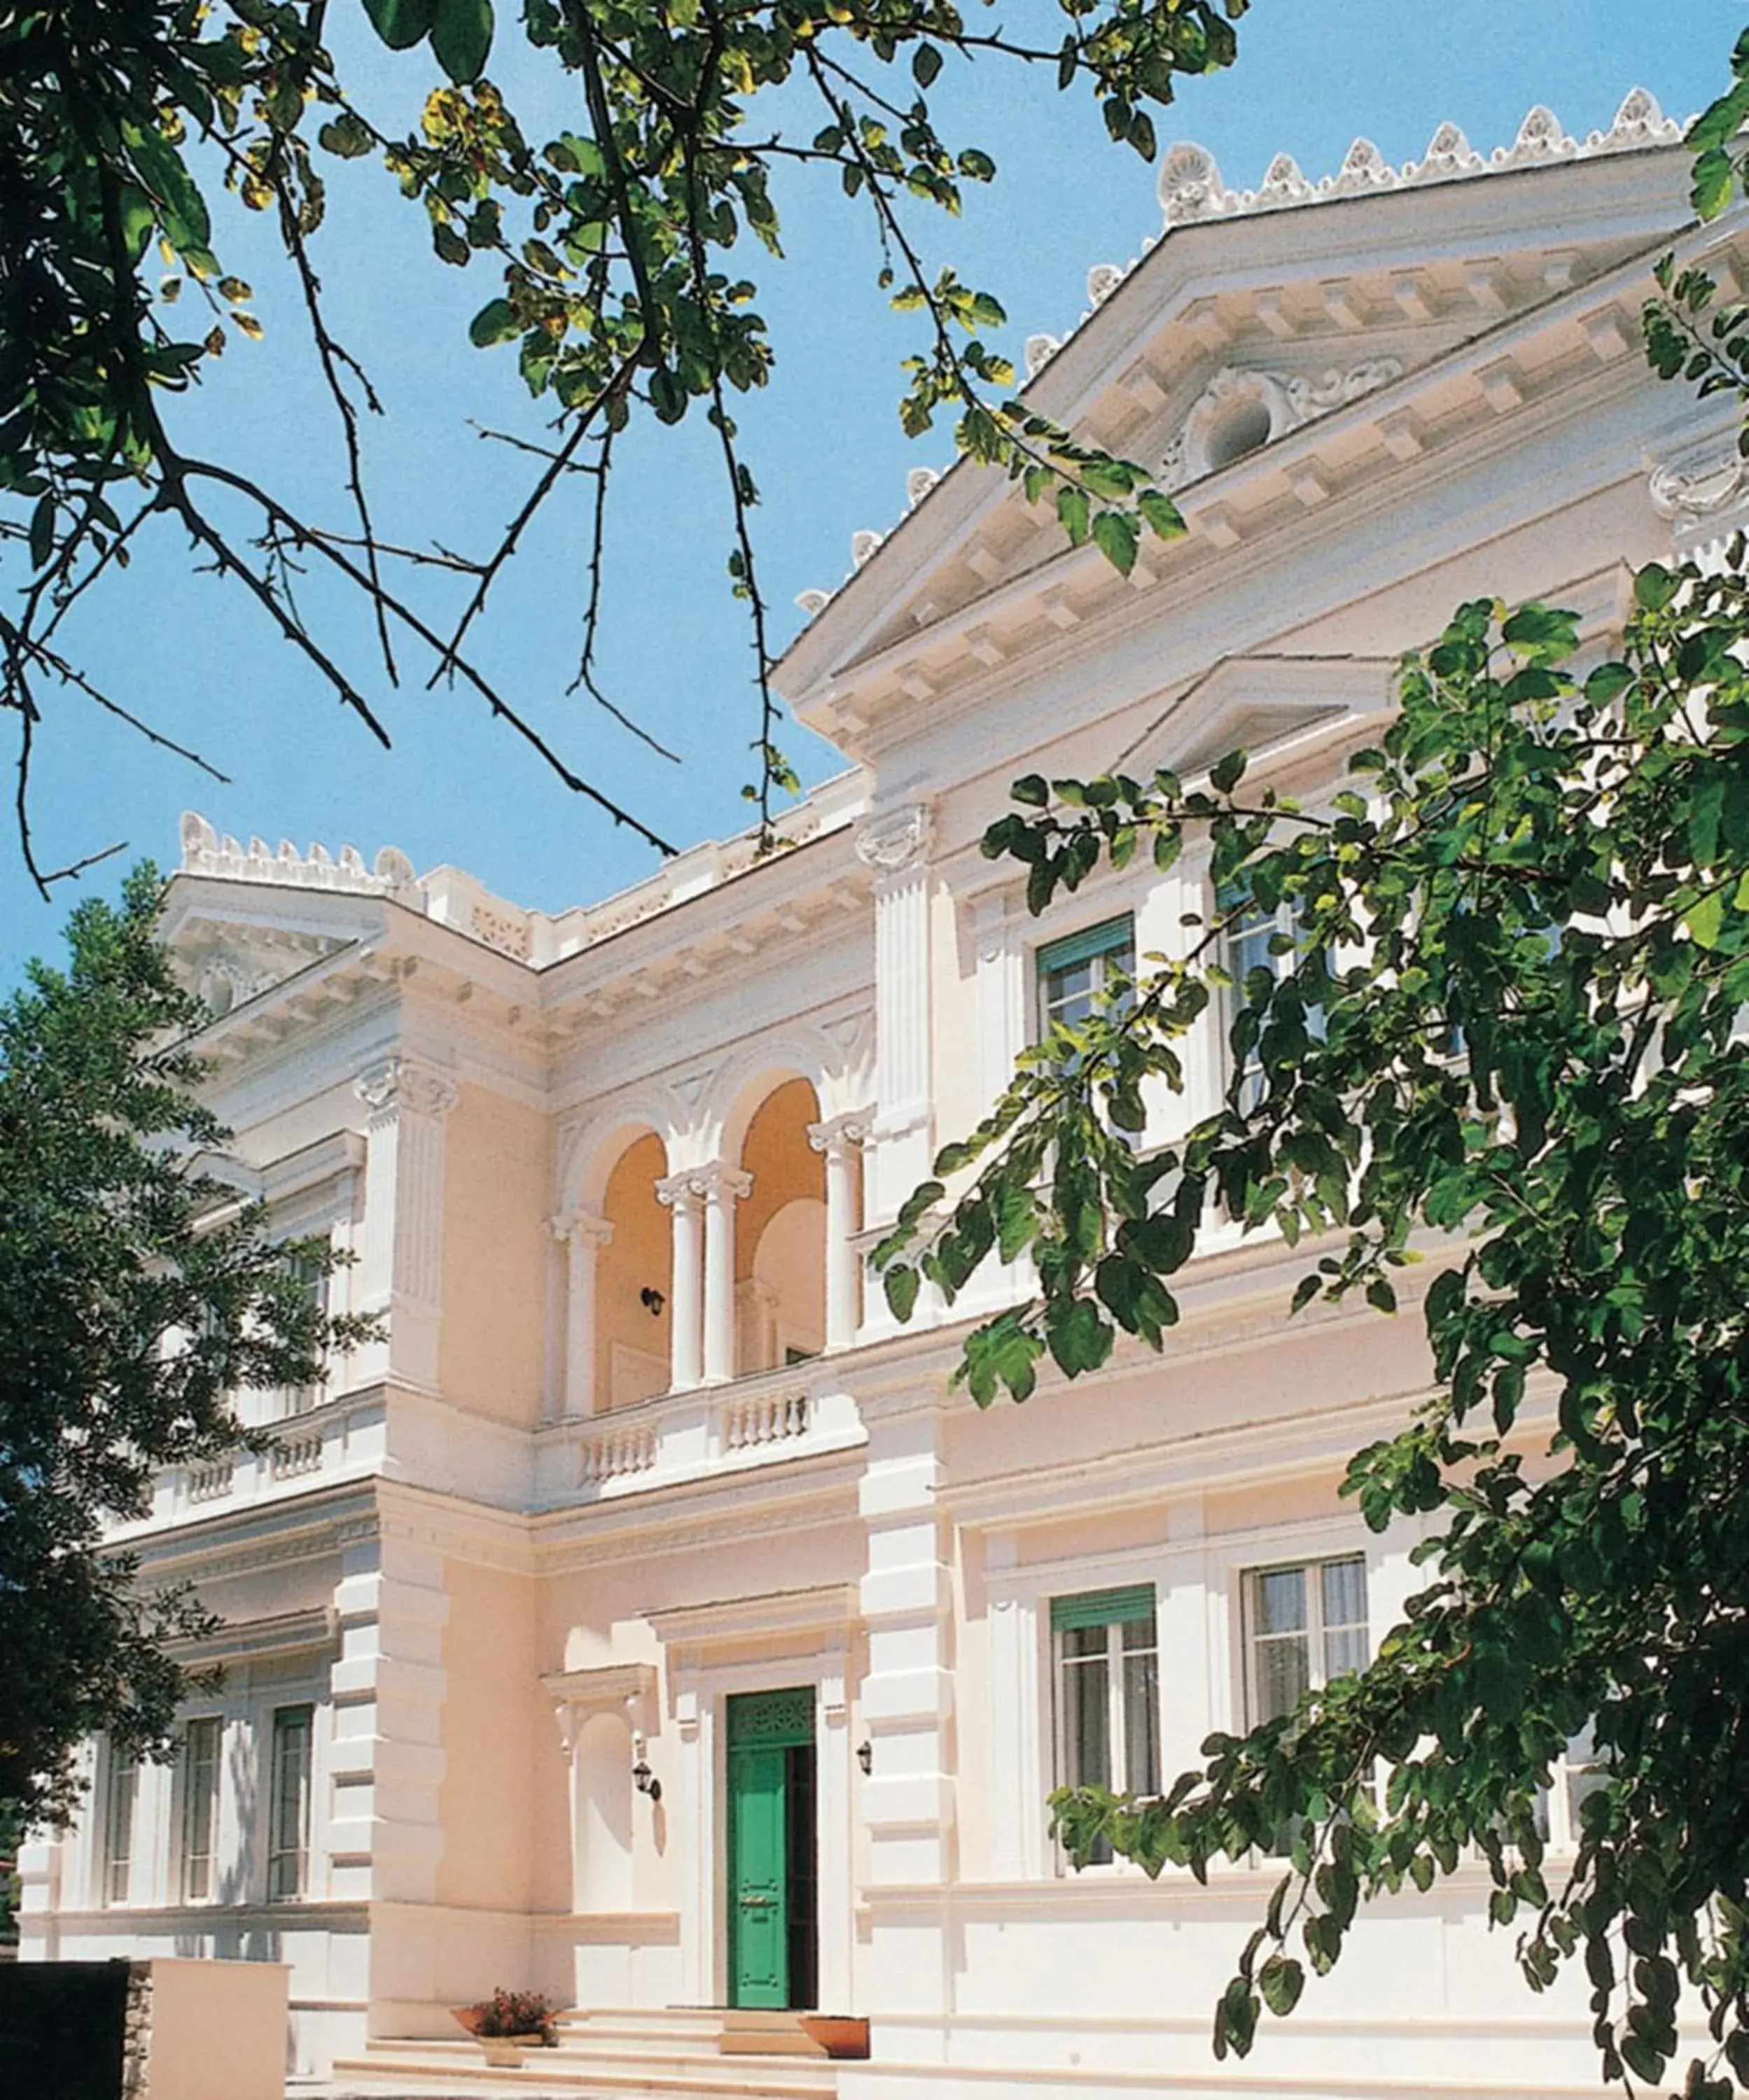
(763, 1727)
(758, 1912)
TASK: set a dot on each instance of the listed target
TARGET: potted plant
(508, 2023)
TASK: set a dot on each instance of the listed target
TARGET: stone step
(569, 2068)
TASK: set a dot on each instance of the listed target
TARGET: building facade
(647, 1618)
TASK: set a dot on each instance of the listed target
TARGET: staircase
(712, 2052)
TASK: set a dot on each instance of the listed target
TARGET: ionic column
(719, 1185)
(838, 1139)
(582, 1235)
(682, 1194)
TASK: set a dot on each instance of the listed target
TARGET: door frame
(785, 1741)
(702, 1684)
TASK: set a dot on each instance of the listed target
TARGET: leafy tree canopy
(1499, 1047)
(138, 1295)
(618, 247)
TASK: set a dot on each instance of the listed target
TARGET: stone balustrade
(326, 1440)
(764, 1419)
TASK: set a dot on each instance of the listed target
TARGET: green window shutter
(1101, 1608)
(1098, 940)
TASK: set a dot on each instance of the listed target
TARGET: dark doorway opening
(804, 1879)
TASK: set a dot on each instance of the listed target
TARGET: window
(1304, 1626)
(1108, 1700)
(1579, 1773)
(121, 1786)
(200, 1807)
(1074, 973)
(1249, 944)
(288, 1804)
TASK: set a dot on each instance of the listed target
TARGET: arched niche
(780, 1233)
(603, 1801)
(634, 1279)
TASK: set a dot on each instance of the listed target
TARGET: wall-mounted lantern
(865, 1756)
(652, 1300)
(642, 1778)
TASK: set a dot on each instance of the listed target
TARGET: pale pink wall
(496, 1173)
(492, 1726)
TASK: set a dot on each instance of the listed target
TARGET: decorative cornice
(732, 1620)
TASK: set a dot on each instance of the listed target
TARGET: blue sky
(190, 655)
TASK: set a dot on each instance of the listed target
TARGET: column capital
(582, 1226)
(837, 1133)
(894, 839)
(719, 1179)
(398, 1082)
(680, 1191)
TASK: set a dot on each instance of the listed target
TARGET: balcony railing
(328, 1439)
(792, 1413)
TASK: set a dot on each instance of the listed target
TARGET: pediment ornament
(1227, 420)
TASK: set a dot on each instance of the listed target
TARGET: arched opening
(780, 1236)
(1241, 427)
(633, 1281)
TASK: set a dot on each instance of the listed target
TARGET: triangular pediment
(1275, 350)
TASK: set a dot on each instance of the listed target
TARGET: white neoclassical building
(646, 1619)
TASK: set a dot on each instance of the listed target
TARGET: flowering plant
(508, 2013)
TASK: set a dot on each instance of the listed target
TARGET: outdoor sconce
(865, 1756)
(652, 1301)
(646, 1780)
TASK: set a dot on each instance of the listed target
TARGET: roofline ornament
(1191, 189)
(204, 852)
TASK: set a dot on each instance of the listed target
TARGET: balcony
(797, 1412)
(343, 1437)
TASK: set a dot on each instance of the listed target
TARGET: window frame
(120, 1771)
(278, 1732)
(1116, 1654)
(1316, 1628)
(187, 1797)
(1095, 943)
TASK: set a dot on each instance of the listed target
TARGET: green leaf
(900, 1284)
(461, 37)
(43, 532)
(1281, 1980)
(925, 63)
(1116, 535)
(401, 24)
(346, 135)
(496, 322)
(1226, 772)
(1654, 587)
(1161, 514)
